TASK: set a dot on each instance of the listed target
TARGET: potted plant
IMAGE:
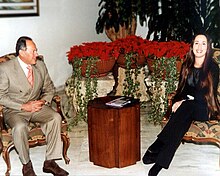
(100, 51)
(178, 20)
(166, 20)
(165, 64)
(118, 18)
(89, 61)
(156, 50)
(130, 45)
(132, 59)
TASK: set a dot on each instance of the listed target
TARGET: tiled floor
(190, 159)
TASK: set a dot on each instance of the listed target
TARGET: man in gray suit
(26, 102)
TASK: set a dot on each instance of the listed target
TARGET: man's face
(29, 55)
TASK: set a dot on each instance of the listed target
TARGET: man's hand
(33, 106)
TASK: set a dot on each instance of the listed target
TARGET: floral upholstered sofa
(36, 136)
(200, 132)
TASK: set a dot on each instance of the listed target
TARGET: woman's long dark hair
(206, 77)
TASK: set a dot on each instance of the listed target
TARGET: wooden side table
(114, 133)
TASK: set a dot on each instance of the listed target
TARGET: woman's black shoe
(152, 152)
(149, 157)
(154, 170)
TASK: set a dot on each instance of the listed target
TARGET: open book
(119, 102)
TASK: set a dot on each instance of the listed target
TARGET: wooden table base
(114, 133)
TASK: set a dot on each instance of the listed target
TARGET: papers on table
(119, 102)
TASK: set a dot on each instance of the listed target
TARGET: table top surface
(100, 102)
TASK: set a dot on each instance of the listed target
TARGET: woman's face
(200, 46)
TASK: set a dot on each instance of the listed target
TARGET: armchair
(36, 136)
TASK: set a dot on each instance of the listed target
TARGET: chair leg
(6, 157)
(66, 144)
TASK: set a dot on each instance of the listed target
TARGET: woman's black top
(193, 87)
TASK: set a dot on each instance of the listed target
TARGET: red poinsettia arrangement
(101, 50)
(166, 49)
(130, 44)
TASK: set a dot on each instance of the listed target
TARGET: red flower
(102, 50)
(130, 44)
(167, 49)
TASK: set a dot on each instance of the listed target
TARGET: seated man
(26, 89)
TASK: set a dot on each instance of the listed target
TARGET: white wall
(61, 24)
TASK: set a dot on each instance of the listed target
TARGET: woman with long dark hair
(195, 99)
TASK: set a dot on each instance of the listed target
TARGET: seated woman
(195, 99)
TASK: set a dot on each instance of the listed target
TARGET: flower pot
(150, 62)
(103, 67)
(178, 65)
(136, 61)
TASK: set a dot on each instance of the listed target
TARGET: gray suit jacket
(15, 89)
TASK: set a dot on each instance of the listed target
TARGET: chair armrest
(169, 106)
(1, 128)
(1, 119)
(56, 99)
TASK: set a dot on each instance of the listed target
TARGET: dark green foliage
(131, 84)
(166, 19)
(113, 13)
(180, 20)
(164, 81)
(74, 86)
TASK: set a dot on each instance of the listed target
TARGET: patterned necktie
(30, 76)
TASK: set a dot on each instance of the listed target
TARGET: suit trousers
(50, 122)
(175, 129)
